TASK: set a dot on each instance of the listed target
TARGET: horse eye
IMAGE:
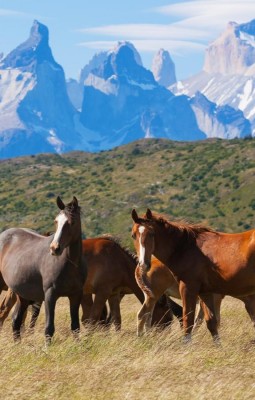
(133, 235)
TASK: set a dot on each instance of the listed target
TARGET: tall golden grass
(109, 365)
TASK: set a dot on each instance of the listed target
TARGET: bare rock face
(233, 52)
(163, 68)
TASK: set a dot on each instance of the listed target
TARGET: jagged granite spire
(33, 51)
(163, 68)
(233, 52)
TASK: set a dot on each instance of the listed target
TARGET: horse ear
(75, 201)
(60, 203)
(148, 214)
(134, 216)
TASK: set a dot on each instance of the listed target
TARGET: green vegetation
(209, 181)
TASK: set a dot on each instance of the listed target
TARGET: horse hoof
(186, 339)
(216, 340)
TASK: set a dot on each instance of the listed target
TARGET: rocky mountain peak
(124, 64)
(233, 52)
(163, 68)
(33, 51)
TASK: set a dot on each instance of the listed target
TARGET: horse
(39, 268)
(156, 281)
(110, 276)
(202, 260)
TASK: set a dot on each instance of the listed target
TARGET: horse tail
(142, 280)
(6, 305)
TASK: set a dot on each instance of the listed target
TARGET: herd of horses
(189, 262)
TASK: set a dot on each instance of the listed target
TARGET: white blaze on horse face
(61, 219)
(141, 248)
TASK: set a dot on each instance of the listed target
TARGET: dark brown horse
(202, 260)
(111, 275)
(41, 268)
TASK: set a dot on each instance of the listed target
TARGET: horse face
(67, 226)
(62, 235)
(143, 236)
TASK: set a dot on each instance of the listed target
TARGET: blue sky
(80, 28)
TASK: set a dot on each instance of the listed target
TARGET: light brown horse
(156, 281)
(110, 276)
(202, 260)
(41, 268)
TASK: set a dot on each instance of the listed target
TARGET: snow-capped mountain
(163, 68)
(115, 100)
(123, 102)
(228, 74)
(75, 87)
(36, 113)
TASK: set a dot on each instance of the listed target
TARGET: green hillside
(209, 181)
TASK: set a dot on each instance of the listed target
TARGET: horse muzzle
(55, 249)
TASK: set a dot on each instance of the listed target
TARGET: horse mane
(191, 229)
(117, 241)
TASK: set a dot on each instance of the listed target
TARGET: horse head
(68, 226)
(143, 236)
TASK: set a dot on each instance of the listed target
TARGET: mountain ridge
(115, 100)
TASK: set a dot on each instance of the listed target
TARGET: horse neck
(74, 250)
(174, 241)
(131, 264)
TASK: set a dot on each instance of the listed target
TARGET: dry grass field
(109, 365)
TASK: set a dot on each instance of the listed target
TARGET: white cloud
(195, 24)
(143, 31)
(11, 13)
(208, 7)
(173, 46)
(211, 16)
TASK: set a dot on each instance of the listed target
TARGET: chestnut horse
(111, 275)
(155, 281)
(41, 268)
(203, 262)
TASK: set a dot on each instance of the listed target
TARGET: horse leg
(189, 300)
(3, 285)
(86, 305)
(210, 314)
(249, 302)
(199, 317)
(75, 302)
(217, 298)
(36, 308)
(98, 306)
(50, 299)
(114, 303)
(6, 305)
(18, 316)
(144, 315)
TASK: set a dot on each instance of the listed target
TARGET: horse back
(108, 265)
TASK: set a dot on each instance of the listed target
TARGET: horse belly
(25, 282)
(242, 284)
